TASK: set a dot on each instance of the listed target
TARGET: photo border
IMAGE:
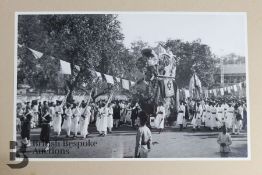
(244, 14)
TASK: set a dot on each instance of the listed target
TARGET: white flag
(118, 80)
(132, 83)
(65, 67)
(169, 88)
(77, 67)
(98, 74)
(36, 53)
(109, 79)
(125, 84)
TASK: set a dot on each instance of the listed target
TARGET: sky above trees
(223, 32)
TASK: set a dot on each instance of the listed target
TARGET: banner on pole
(169, 88)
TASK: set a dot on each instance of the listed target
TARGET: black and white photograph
(131, 86)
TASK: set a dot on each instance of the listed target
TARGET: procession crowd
(74, 119)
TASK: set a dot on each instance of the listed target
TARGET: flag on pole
(125, 84)
(109, 79)
(65, 67)
(169, 88)
(195, 86)
(36, 53)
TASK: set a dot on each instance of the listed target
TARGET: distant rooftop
(234, 69)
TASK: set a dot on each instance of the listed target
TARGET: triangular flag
(99, 75)
(77, 67)
(109, 79)
(125, 84)
(118, 80)
(132, 83)
(65, 67)
(36, 53)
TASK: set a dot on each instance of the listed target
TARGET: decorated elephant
(159, 69)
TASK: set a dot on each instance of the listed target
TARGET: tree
(194, 55)
(94, 42)
(233, 59)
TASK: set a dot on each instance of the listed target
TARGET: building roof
(234, 69)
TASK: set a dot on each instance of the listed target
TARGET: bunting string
(65, 68)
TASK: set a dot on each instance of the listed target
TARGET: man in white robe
(213, 117)
(208, 115)
(196, 121)
(84, 119)
(224, 140)
(110, 118)
(224, 107)
(52, 112)
(35, 115)
(102, 120)
(160, 117)
(75, 119)
(67, 120)
(229, 117)
(58, 118)
(180, 115)
(204, 113)
(237, 119)
(220, 110)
